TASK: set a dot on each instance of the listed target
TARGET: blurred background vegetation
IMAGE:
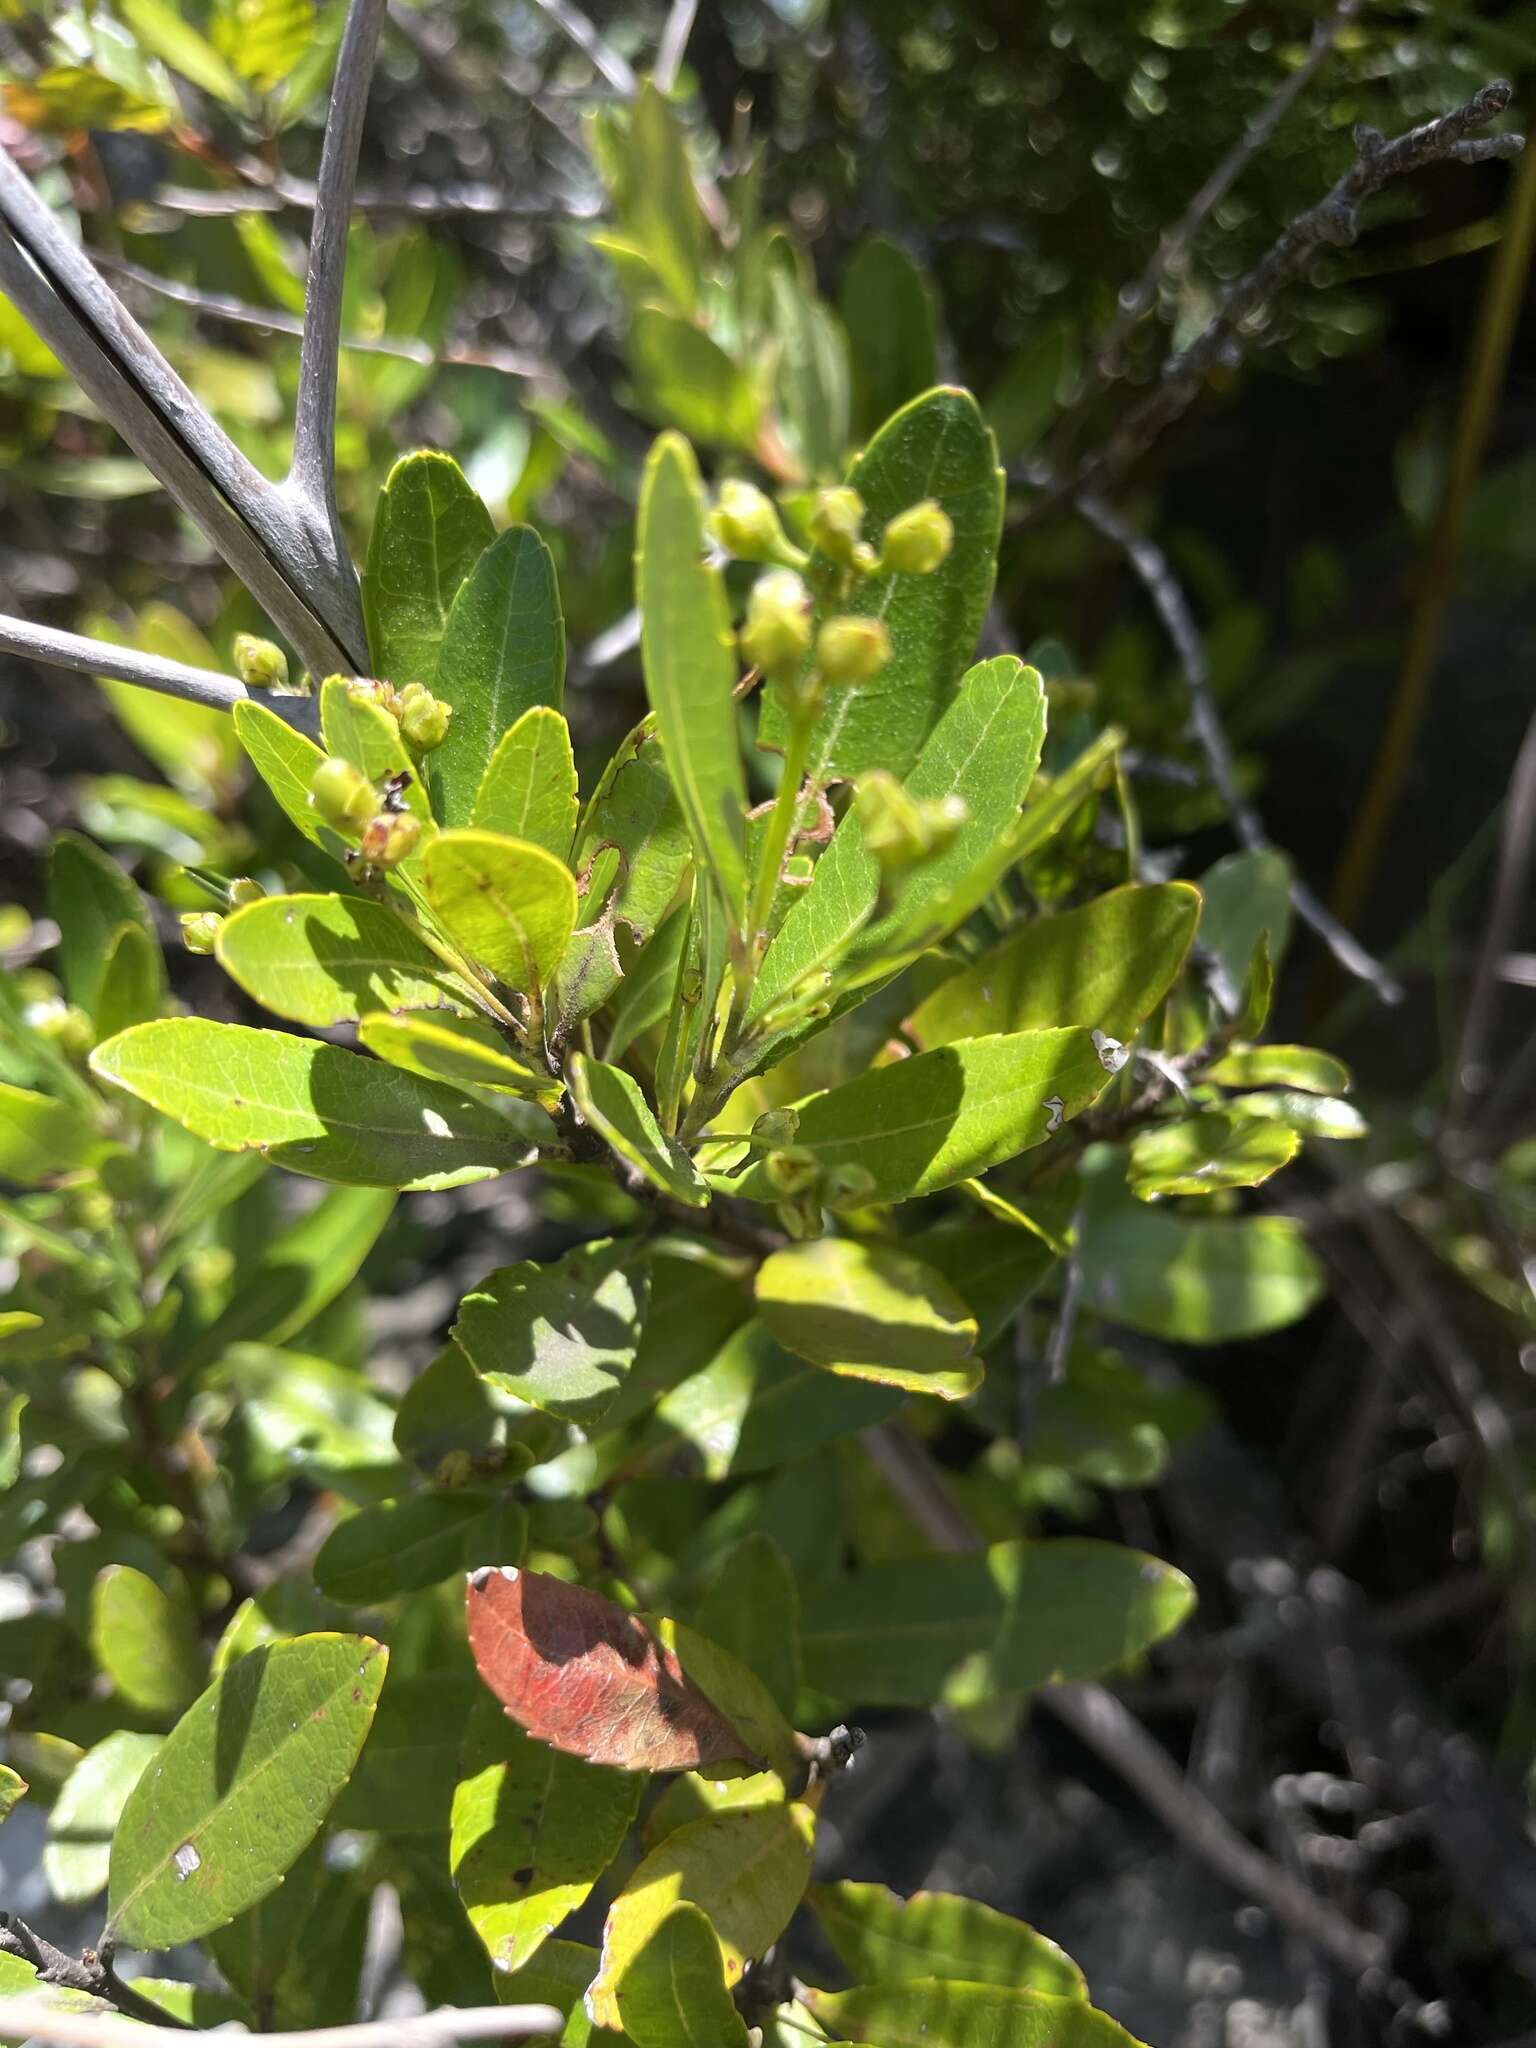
(1338, 520)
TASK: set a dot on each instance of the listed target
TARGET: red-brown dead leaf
(576, 1671)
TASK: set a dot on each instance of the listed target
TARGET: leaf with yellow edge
(749, 1868)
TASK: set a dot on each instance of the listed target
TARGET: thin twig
(312, 476)
(452, 200)
(149, 671)
(1334, 222)
(1152, 567)
(1174, 247)
(268, 320)
(1511, 894)
(35, 2019)
(674, 43)
(573, 24)
(1118, 1739)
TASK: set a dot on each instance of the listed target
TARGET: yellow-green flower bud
(776, 1127)
(777, 635)
(342, 794)
(801, 1219)
(260, 664)
(423, 718)
(791, 1171)
(243, 890)
(900, 830)
(66, 1025)
(851, 650)
(917, 540)
(391, 838)
(745, 522)
(837, 528)
(200, 930)
(847, 1187)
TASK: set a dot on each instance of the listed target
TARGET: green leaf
(673, 1994)
(528, 790)
(1196, 1155)
(87, 1811)
(752, 1609)
(1194, 1280)
(297, 1954)
(195, 2005)
(323, 960)
(264, 39)
(561, 1337)
(160, 31)
(991, 1265)
(632, 852)
(1314, 1116)
(1027, 396)
(613, 1104)
(918, 2013)
(750, 1868)
(399, 1546)
(688, 651)
(132, 982)
(938, 447)
(734, 1687)
(887, 309)
(90, 899)
(331, 1114)
(203, 1835)
(699, 1296)
(18, 1979)
(503, 655)
(462, 1050)
(533, 1830)
(298, 1274)
(1105, 966)
(40, 1137)
(1033, 1614)
(756, 1406)
(944, 1116)
(871, 1313)
(308, 1415)
(1280, 1066)
(984, 751)
(813, 373)
(653, 191)
(1245, 896)
(429, 531)
(645, 998)
(13, 1789)
(286, 762)
(363, 732)
(880, 1938)
(403, 1784)
(509, 904)
(687, 380)
(144, 1637)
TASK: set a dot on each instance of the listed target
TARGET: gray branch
(572, 23)
(312, 478)
(674, 43)
(1333, 223)
(1152, 567)
(252, 522)
(149, 671)
(1174, 247)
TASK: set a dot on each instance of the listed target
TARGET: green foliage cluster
(841, 1005)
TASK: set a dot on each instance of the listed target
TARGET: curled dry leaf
(578, 1672)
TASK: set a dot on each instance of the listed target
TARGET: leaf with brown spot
(578, 1672)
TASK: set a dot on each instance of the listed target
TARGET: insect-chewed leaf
(533, 1830)
(577, 1672)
